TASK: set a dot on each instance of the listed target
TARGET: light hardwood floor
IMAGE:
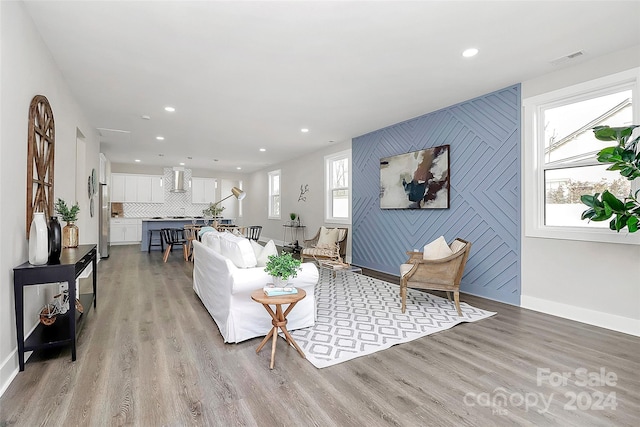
(151, 355)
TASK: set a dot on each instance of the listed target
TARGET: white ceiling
(246, 75)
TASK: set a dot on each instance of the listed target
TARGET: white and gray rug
(359, 315)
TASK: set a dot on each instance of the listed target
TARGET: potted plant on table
(282, 268)
(70, 216)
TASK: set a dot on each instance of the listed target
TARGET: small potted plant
(282, 268)
(293, 216)
(70, 216)
(213, 210)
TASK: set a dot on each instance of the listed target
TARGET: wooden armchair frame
(311, 243)
(441, 274)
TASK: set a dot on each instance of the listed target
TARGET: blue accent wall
(484, 135)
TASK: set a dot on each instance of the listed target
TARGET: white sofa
(225, 290)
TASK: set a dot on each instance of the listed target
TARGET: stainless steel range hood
(178, 180)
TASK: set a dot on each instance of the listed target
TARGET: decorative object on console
(69, 215)
(416, 180)
(38, 240)
(55, 240)
(303, 191)
(40, 159)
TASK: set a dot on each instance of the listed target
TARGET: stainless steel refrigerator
(104, 218)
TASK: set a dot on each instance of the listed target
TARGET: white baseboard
(597, 318)
(10, 366)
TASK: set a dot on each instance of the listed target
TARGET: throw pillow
(238, 250)
(263, 252)
(211, 240)
(437, 249)
(327, 238)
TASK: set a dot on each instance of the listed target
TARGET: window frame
(270, 194)
(328, 186)
(534, 167)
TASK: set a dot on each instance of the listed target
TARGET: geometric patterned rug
(359, 315)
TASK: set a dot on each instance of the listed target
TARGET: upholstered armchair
(443, 274)
(319, 249)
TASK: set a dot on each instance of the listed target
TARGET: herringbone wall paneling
(484, 135)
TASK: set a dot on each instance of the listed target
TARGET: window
(560, 160)
(274, 194)
(338, 201)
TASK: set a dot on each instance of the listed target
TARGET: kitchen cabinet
(203, 190)
(157, 189)
(126, 230)
(136, 188)
(117, 187)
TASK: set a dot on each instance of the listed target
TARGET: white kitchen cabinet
(143, 188)
(203, 190)
(117, 187)
(126, 230)
(157, 189)
(136, 188)
(130, 188)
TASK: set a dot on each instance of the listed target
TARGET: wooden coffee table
(279, 318)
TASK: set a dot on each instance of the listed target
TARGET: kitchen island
(158, 223)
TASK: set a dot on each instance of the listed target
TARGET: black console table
(73, 262)
(294, 246)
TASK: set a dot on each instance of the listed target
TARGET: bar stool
(159, 242)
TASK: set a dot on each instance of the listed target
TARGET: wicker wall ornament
(40, 159)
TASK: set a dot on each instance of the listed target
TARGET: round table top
(259, 296)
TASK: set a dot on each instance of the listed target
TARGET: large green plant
(284, 266)
(624, 157)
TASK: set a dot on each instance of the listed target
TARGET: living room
(524, 271)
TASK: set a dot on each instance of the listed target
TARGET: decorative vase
(55, 240)
(38, 240)
(70, 235)
(279, 282)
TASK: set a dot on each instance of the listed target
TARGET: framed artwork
(415, 180)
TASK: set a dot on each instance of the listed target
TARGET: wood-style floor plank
(150, 355)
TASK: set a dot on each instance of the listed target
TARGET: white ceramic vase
(38, 240)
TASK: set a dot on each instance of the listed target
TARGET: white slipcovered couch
(225, 289)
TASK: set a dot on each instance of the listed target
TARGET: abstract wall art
(415, 180)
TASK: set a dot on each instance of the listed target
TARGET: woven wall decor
(40, 158)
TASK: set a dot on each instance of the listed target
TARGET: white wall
(26, 70)
(596, 283)
(305, 170)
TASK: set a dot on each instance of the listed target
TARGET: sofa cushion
(238, 250)
(263, 252)
(211, 240)
(328, 238)
(437, 249)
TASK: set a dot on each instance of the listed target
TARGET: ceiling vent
(567, 58)
(178, 180)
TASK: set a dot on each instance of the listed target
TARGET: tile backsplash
(175, 204)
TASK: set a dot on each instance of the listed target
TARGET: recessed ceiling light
(137, 160)
(160, 138)
(238, 168)
(169, 109)
(189, 158)
(331, 141)
(181, 163)
(145, 117)
(263, 149)
(470, 52)
(161, 155)
(304, 130)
